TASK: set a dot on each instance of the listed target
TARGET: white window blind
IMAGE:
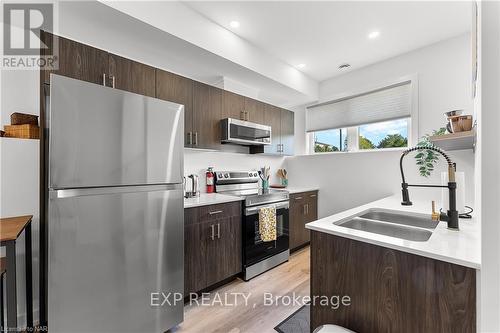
(388, 103)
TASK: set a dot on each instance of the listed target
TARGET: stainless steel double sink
(403, 225)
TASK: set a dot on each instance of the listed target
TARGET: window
(330, 140)
(385, 117)
(386, 134)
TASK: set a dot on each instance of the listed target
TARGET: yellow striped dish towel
(267, 224)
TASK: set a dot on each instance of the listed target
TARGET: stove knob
(219, 175)
(250, 174)
(255, 174)
(226, 175)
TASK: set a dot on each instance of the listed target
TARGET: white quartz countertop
(209, 199)
(461, 247)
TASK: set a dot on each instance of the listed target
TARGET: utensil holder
(265, 184)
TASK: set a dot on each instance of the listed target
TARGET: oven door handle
(255, 210)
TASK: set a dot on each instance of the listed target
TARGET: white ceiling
(324, 35)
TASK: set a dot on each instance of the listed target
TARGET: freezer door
(113, 256)
(100, 136)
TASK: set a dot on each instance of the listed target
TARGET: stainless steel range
(258, 256)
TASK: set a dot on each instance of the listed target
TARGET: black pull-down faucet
(451, 216)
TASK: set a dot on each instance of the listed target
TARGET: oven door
(254, 249)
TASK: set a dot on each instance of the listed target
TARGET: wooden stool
(3, 270)
(10, 230)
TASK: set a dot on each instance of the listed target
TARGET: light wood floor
(254, 317)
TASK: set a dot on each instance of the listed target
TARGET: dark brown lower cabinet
(389, 290)
(303, 209)
(212, 245)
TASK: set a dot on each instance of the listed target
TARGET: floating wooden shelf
(455, 141)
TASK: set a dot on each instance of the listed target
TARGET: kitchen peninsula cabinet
(212, 245)
(389, 290)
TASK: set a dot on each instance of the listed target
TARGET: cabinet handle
(307, 208)
(312, 196)
(212, 235)
(298, 198)
(112, 81)
(215, 212)
(190, 138)
(218, 230)
(248, 118)
(242, 114)
(304, 210)
(104, 79)
(195, 138)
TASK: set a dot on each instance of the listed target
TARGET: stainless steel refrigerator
(115, 210)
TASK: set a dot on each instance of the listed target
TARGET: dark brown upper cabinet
(86, 63)
(204, 105)
(287, 132)
(254, 110)
(207, 113)
(282, 131)
(178, 89)
(243, 108)
(233, 105)
(76, 60)
(272, 117)
(129, 75)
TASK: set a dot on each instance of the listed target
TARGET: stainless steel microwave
(245, 132)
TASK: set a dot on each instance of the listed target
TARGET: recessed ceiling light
(234, 24)
(374, 34)
(301, 65)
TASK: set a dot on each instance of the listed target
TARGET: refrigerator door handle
(78, 192)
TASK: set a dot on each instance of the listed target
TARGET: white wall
(348, 179)
(19, 196)
(444, 76)
(197, 162)
(488, 164)
(19, 171)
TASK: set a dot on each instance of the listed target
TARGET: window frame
(353, 132)
(312, 142)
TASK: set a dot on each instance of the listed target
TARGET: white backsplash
(197, 162)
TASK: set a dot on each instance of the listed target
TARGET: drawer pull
(298, 198)
(215, 212)
(218, 230)
(312, 195)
